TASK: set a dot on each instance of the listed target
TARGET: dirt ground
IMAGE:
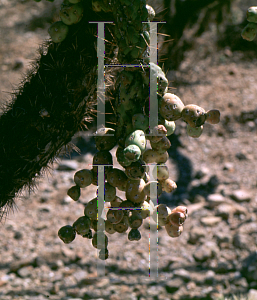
(216, 176)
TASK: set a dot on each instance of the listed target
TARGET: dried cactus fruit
(176, 218)
(105, 139)
(170, 107)
(114, 216)
(194, 132)
(213, 116)
(117, 178)
(109, 227)
(100, 240)
(67, 234)
(249, 32)
(136, 170)
(135, 190)
(135, 220)
(109, 192)
(74, 192)
(82, 225)
(91, 209)
(150, 156)
(122, 159)
(71, 14)
(122, 226)
(173, 231)
(102, 158)
(252, 14)
(83, 178)
(116, 202)
(58, 31)
(134, 235)
(103, 254)
(162, 172)
(158, 133)
(162, 157)
(88, 235)
(168, 185)
(193, 115)
(162, 146)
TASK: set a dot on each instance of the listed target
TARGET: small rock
(183, 274)
(214, 200)
(225, 211)
(252, 294)
(67, 165)
(196, 234)
(173, 285)
(210, 221)
(202, 253)
(241, 196)
(25, 271)
(223, 237)
(241, 241)
(228, 166)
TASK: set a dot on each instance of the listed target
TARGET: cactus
(43, 121)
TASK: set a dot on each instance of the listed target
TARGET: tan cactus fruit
(122, 226)
(168, 185)
(162, 146)
(91, 209)
(170, 107)
(114, 216)
(176, 218)
(173, 231)
(213, 116)
(102, 158)
(109, 192)
(134, 235)
(74, 192)
(135, 220)
(135, 190)
(82, 225)
(109, 227)
(83, 178)
(117, 178)
(103, 240)
(158, 133)
(193, 115)
(162, 172)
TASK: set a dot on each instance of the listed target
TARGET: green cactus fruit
(103, 254)
(135, 190)
(170, 107)
(140, 122)
(109, 227)
(83, 178)
(170, 126)
(134, 235)
(193, 115)
(168, 185)
(109, 192)
(151, 185)
(249, 32)
(137, 138)
(100, 240)
(67, 234)
(173, 231)
(135, 220)
(117, 178)
(213, 116)
(162, 146)
(162, 83)
(158, 133)
(136, 170)
(122, 226)
(194, 132)
(82, 225)
(114, 216)
(105, 139)
(252, 14)
(74, 192)
(102, 158)
(71, 14)
(151, 12)
(121, 158)
(58, 31)
(91, 209)
(132, 152)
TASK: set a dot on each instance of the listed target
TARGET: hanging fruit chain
(131, 109)
(250, 30)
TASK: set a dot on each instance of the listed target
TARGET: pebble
(241, 196)
(173, 285)
(252, 294)
(214, 200)
(210, 221)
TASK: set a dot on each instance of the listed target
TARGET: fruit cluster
(250, 30)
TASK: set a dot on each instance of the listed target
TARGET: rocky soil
(216, 176)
